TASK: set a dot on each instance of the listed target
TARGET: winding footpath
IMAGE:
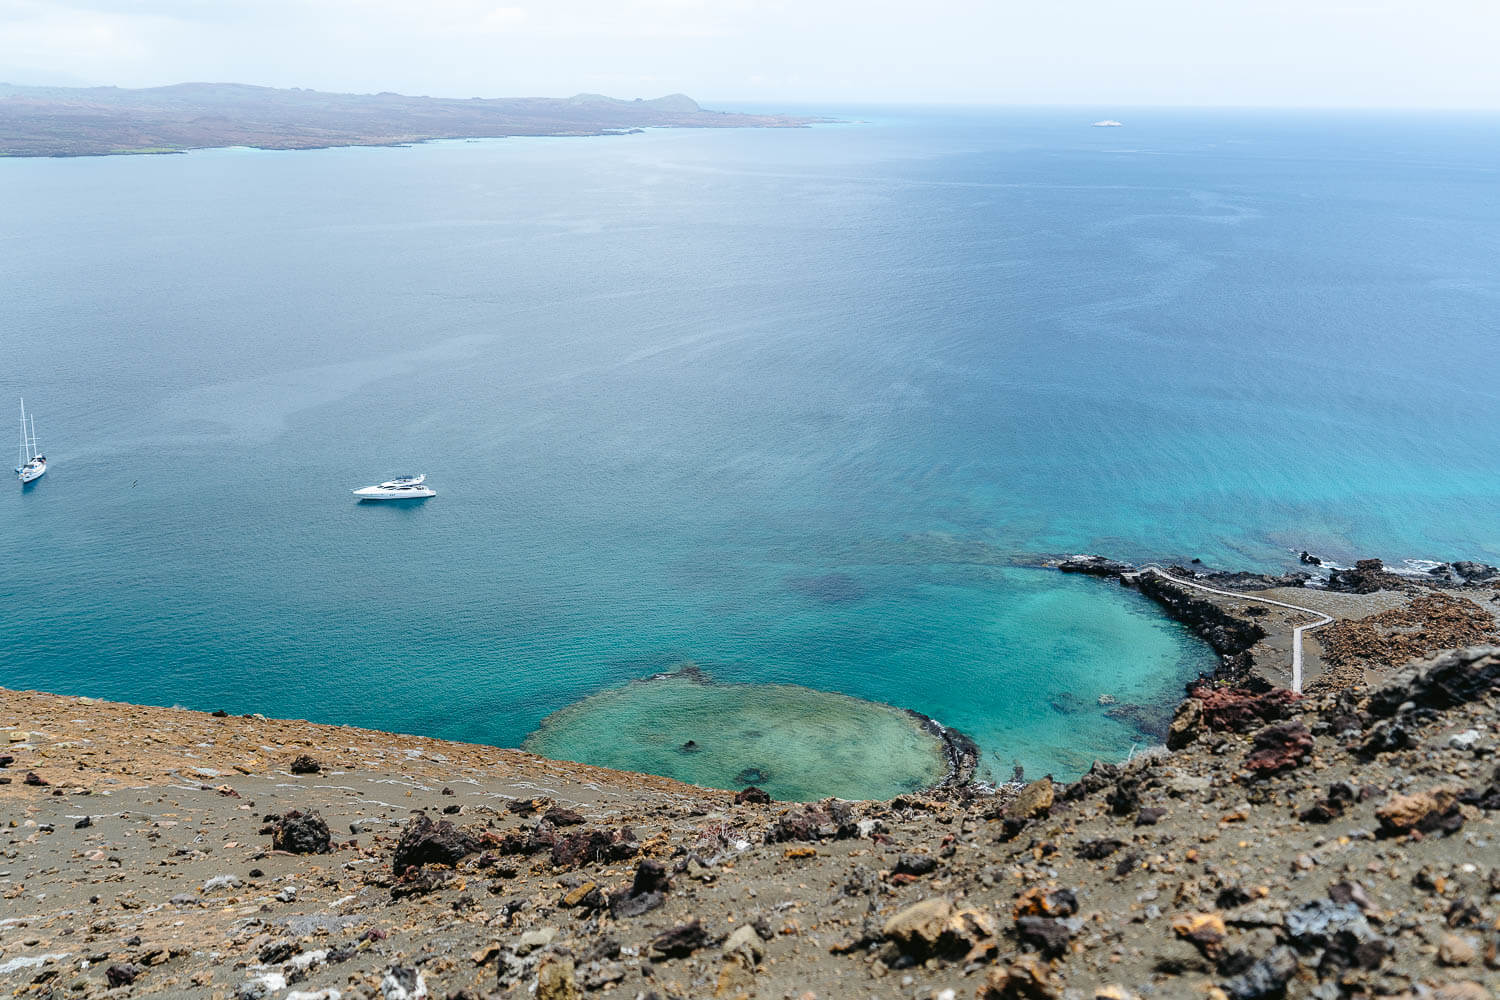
(1296, 632)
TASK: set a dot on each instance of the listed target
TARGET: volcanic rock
(305, 764)
(301, 833)
(1278, 748)
(680, 941)
(933, 928)
(1426, 811)
(427, 843)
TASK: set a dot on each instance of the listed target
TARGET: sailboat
(33, 463)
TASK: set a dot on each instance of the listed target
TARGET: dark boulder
(122, 975)
(1367, 576)
(681, 941)
(915, 864)
(301, 833)
(306, 765)
(427, 843)
(586, 846)
(558, 816)
(808, 824)
(1048, 935)
(1449, 679)
(752, 796)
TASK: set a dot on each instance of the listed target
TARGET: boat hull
(390, 496)
(30, 474)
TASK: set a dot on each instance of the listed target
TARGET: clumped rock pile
(1426, 625)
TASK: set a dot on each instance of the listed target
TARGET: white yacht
(33, 464)
(400, 488)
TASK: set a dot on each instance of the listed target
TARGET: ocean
(787, 405)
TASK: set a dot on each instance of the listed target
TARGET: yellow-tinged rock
(792, 853)
(575, 896)
(1035, 800)
(1027, 978)
(555, 980)
(1206, 930)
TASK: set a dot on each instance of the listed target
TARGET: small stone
(262, 987)
(1027, 978)
(915, 864)
(1427, 811)
(123, 974)
(1149, 816)
(1205, 930)
(555, 980)
(403, 983)
(745, 946)
(532, 940)
(1035, 800)
(575, 896)
(1466, 990)
(679, 942)
(1457, 949)
(934, 928)
(558, 816)
(1465, 740)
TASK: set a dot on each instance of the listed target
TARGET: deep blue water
(781, 403)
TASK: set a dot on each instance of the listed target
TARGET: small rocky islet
(1337, 843)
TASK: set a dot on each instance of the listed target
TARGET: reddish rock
(1278, 748)
(1239, 710)
(576, 849)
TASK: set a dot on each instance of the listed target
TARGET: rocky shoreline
(1340, 845)
(1445, 606)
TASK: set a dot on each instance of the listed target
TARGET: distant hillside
(69, 121)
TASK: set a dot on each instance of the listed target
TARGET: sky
(1097, 53)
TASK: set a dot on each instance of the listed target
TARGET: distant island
(99, 121)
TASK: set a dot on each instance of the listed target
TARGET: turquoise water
(781, 403)
(736, 735)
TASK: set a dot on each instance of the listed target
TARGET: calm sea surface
(779, 403)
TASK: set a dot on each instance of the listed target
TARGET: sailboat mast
(23, 434)
(35, 451)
